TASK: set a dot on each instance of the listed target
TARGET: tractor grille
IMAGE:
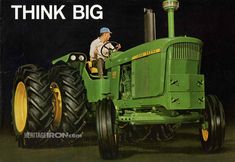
(185, 51)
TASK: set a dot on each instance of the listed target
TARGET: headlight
(73, 57)
(81, 58)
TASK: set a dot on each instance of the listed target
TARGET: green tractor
(155, 86)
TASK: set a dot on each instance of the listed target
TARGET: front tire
(107, 129)
(212, 131)
(31, 105)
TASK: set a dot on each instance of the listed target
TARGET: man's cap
(105, 30)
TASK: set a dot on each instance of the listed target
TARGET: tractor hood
(154, 47)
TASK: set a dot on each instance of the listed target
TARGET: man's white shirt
(97, 44)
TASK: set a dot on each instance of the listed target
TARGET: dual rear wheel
(45, 102)
(69, 102)
(31, 105)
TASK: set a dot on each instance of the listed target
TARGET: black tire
(39, 106)
(74, 101)
(215, 117)
(107, 130)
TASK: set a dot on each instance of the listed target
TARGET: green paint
(151, 82)
(155, 118)
(170, 6)
(171, 23)
(168, 78)
(97, 89)
(64, 58)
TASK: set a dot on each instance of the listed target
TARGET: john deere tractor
(153, 87)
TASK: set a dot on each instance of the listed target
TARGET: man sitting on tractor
(97, 56)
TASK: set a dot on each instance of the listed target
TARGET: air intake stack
(170, 6)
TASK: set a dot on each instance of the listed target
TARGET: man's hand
(118, 46)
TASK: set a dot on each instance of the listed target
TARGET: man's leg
(94, 63)
(100, 66)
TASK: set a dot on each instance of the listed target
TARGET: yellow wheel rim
(20, 107)
(57, 104)
(205, 134)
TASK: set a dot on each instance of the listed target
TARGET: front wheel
(107, 129)
(212, 130)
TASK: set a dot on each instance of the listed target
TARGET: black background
(40, 41)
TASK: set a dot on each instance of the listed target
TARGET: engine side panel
(148, 76)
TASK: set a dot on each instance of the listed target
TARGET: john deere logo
(146, 53)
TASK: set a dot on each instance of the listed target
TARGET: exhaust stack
(149, 25)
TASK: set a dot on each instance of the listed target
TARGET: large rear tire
(212, 130)
(31, 105)
(107, 129)
(69, 102)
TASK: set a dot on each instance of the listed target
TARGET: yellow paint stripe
(146, 53)
(114, 74)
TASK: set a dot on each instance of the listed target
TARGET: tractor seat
(92, 69)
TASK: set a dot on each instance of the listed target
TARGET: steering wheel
(106, 53)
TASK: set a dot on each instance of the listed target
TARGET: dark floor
(184, 148)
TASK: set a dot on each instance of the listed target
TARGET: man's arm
(93, 51)
(116, 48)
